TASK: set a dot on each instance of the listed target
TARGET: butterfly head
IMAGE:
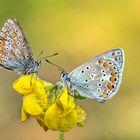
(64, 76)
(33, 67)
(37, 64)
(66, 80)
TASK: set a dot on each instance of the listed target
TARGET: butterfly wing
(100, 77)
(15, 52)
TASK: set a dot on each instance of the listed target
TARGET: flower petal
(62, 100)
(81, 115)
(68, 122)
(52, 117)
(31, 106)
(61, 115)
(65, 101)
(24, 84)
(24, 114)
(41, 95)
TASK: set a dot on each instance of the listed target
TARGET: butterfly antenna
(40, 54)
(59, 68)
(48, 56)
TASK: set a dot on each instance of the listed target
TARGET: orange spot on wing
(105, 64)
(112, 79)
(111, 68)
(13, 35)
(110, 86)
(105, 94)
(100, 61)
(2, 43)
(0, 57)
(12, 45)
(1, 49)
(112, 71)
(4, 35)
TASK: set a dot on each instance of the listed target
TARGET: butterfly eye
(64, 75)
(37, 63)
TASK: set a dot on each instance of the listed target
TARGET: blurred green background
(77, 30)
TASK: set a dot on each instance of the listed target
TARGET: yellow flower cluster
(54, 108)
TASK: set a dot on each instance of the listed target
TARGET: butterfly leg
(32, 78)
(72, 93)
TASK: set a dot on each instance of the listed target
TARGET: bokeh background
(77, 30)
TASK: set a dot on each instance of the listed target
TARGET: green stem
(61, 135)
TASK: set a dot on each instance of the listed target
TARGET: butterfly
(15, 52)
(98, 78)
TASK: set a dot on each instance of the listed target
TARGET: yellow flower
(24, 114)
(64, 114)
(52, 107)
(26, 84)
(35, 91)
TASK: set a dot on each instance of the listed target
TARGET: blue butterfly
(98, 78)
(15, 52)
